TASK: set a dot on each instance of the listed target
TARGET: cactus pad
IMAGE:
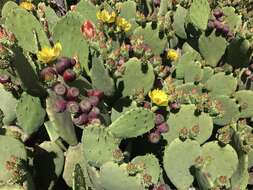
(132, 123)
(178, 160)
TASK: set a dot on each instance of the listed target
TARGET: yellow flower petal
(47, 55)
(172, 55)
(159, 97)
(27, 5)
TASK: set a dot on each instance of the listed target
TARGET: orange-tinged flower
(123, 24)
(47, 54)
(27, 5)
(88, 29)
(159, 97)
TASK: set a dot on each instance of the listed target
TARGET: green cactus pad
(127, 9)
(151, 38)
(95, 178)
(74, 44)
(179, 22)
(7, 8)
(87, 10)
(221, 84)
(212, 48)
(189, 49)
(240, 177)
(30, 114)
(132, 123)
(208, 72)
(152, 166)
(245, 100)
(186, 118)
(193, 72)
(25, 28)
(62, 122)
(106, 144)
(48, 162)
(11, 187)
(72, 159)
(114, 176)
(79, 182)
(101, 79)
(229, 110)
(51, 18)
(8, 106)
(27, 74)
(137, 77)
(239, 53)
(10, 147)
(232, 19)
(199, 13)
(187, 88)
(220, 161)
(177, 160)
(186, 59)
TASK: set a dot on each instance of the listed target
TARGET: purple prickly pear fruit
(147, 105)
(218, 25)
(94, 100)
(94, 113)
(80, 119)
(175, 106)
(159, 119)
(60, 89)
(95, 92)
(4, 79)
(85, 106)
(72, 62)
(156, 3)
(154, 137)
(210, 25)
(225, 30)
(72, 93)
(218, 13)
(73, 107)
(162, 187)
(69, 75)
(60, 105)
(48, 74)
(62, 64)
(163, 128)
(95, 121)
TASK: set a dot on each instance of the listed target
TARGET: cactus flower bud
(69, 75)
(88, 30)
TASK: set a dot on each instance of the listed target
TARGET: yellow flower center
(47, 54)
(172, 55)
(123, 24)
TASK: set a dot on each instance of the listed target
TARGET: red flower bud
(88, 29)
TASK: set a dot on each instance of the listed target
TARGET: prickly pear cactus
(119, 95)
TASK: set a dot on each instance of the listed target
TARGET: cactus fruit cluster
(126, 95)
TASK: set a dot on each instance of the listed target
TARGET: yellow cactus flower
(27, 5)
(172, 55)
(123, 24)
(159, 97)
(47, 54)
(106, 17)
